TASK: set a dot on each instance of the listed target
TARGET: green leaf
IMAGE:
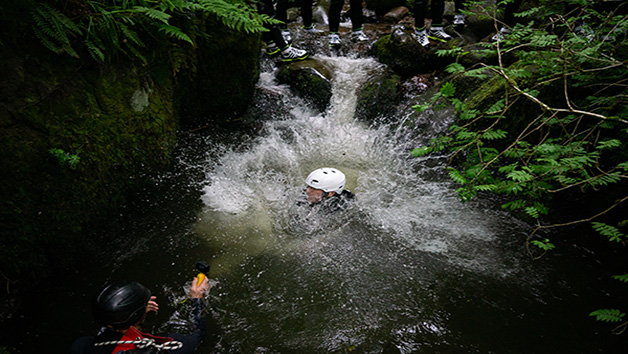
(175, 32)
(454, 68)
(623, 277)
(611, 232)
(608, 315)
(515, 204)
(422, 151)
(448, 89)
(608, 144)
(421, 107)
(153, 13)
(533, 212)
(494, 134)
(520, 176)
(456, 176)
(544, 245)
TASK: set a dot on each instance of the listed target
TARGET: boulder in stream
(310, 79)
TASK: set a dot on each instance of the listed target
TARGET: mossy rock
(117, 120)
(404, 55)
(379, 96)
(310, 79)
(220, 82)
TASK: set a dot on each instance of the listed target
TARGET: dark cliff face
(79, 136)
(222, 81)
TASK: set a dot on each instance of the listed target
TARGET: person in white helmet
(327, 185)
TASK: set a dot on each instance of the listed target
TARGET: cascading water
(378, 275)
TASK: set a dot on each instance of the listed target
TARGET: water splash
(349, 274)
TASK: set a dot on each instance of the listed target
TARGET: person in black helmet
(122, 307)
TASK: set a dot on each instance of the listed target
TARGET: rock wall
(78, 136)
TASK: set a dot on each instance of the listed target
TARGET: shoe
(459, 20)
(286, 36)
(439, 34)
(334, 40)
(311, 29)
(504, 31)
(421, 37)
(293, 54)
(359, 36)
(272, 49)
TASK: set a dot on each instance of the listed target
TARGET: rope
(145, 343)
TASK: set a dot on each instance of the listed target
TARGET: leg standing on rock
(306, 15)
(275, 43)
(335, 8)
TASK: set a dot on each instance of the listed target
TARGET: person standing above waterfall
(306, 15)
(355, 13)
(327, 186)
(275, 43)
(122, 307)
(437, 28)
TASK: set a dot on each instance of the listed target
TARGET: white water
(291, 278)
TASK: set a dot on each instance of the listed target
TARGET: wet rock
(379, 97)
(383, 6)
(401, 52)
(395, 15)
(309, 79)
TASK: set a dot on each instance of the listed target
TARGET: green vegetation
(92, 96)
(108, 29)
(65, 158)
(550, 120)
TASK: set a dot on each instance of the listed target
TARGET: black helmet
(121, 304)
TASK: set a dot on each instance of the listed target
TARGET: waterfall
(297, 279)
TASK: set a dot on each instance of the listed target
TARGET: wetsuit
(337, 202)
(86, 345)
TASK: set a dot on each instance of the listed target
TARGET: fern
(608, 315)
(54, 29)
(456, 176)
(494, 134)
(623, 277)
(609, 231)
(175, 32)
(109, 29)
(544, 245)
(153, 13)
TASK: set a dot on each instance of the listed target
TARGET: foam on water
(350, 273)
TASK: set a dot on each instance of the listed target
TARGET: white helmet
(327, 179)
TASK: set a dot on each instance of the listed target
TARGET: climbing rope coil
(145, 343)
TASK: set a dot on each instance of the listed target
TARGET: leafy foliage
(64, 158)
(54, 29)
(577, 137)
(608, 315)
(111, 28)
(553, 117)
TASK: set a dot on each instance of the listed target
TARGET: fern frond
(608, 315)
(94, 51)
(609, 231)
(153, 13)
(54, 29)
(175, 32)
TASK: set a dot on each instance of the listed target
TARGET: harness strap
(142, 340)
